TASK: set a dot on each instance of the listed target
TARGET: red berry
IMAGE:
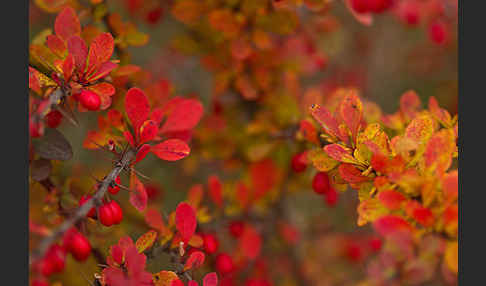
(36, 128)
(360, 6)
(115, 189)
(211, 243)
(236, 228)
(54, 118)
(154, 15)
(224, 263)
(39, 282)
(379, 6)
(438, 32)
(375, 244)
(54, 260)
(106, 215)
(117, 212)
(89, 100)
(77, 244)
(320, 183)
(410, 13)
(299, 163)
(331, 197)
(354, 253)
(84, 199)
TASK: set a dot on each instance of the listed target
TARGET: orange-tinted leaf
(67, 24)
(351, 174)
(390, 224)
(145, 241)
(410, 104)
(138, 195)
(195, 195)
(129, 138)
(183, 116)
(100, 51)
(56, 45)
(77, 47)
(154, 219)
(451, 256)
(142, 153)
(420, 129)
(195, 260)
(325, 118)
(68, 67)
(439, 150)
(126, 70)
(164, 278)
(263, 177)
(215, 190)
(196, 241)
(210, 279)
(171, 150)
(391, 199)
(148, 131)
(351, 111)
(137, 107)
(450, 185)
(440, 114)
(103, 70)
(339, 153)
(308, 131)
(185, 221)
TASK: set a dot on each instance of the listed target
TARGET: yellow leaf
(321, 160)
(450, 256)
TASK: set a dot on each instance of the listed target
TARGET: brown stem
(83, 210)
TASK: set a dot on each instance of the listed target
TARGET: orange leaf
(391, 199)
(154, 219)
(138, 195)
(339, 153)
(164, 278)
(351, 111)
(410, 104)
(195, 260)
(77, 47)
(327, 121)
(351, 174)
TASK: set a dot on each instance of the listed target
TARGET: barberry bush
(243, 142)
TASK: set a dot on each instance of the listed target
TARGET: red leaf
(250, 242)
(129, 138)
(148, 131)
(67, 24)
(138, 195)
(171, 150)
(211, 279)
(215, 190)
(192, 283)
(68, 67)
(410, 104)
(185, 221)
(195, 260)
(242, 195)
(263, 177)
(103, 70)
(339, 153)
(137, 107)
(100, 51)
(450, 185)
(77, 47)
(157, 115)
(185, 115)
(142, 152)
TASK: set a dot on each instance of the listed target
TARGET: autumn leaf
(195, 260)
(185, 221)
(145, 241)
(171, 150)
(164, 278)
(340, 153)
(138, 195)
(250, 242)
(137, 107)
(183, 116)
(215, 190)
(351, 112)
(210, 279)
(67, 24)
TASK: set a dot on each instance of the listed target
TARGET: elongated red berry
(115, 189)
(331, 197)
(320, 183)
(89, 100)
(54, 260)
(236, 228)
(299, 162)
(54, 118)
(82, 201)
(438, 32)
(116, 211)
(105, 213)
(380, 6)
(224, 263)
(211, 244)
(78, 245)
